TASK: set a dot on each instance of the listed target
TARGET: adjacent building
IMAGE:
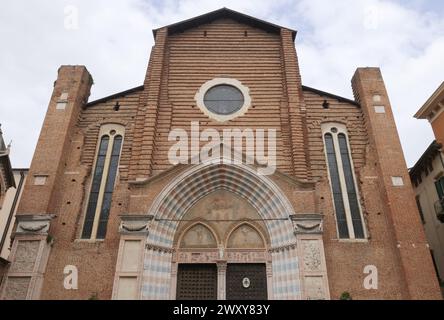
(8, 211)
(158, 192)
(7, 182)
(428, 180)
(432, 110)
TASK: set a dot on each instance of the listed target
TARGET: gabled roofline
(140, 88)
(114, 96)
(431, 102)
(330, 95)
(222, 13)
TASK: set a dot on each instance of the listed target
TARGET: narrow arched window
(350, 187)
(336, 186)
(95, 187)
(343, 183)
(103, 181)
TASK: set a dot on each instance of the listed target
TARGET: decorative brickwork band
(146, 123)
(295, 107)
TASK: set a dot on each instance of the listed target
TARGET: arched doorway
(270, 205)
(221, 246)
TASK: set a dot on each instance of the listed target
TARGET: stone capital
(134, 224)
(33, 224)
(307, 223)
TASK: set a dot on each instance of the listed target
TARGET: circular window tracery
(223, 99)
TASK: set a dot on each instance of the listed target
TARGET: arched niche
(221, 211)
(198, 236)
(245, 236)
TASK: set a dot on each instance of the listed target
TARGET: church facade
(220, 177)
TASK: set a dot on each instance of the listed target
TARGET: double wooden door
(244, 281)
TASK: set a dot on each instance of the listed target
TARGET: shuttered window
(439, 184)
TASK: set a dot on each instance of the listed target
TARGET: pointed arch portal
(194, 184)
(279, 253)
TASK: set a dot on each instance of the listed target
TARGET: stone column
(313, 269)
(269, 280)
(173, 286)
(221, 280)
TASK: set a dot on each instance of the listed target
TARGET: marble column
(221, 280)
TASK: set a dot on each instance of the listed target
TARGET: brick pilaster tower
(71, 91)
(401, 211)
(32, 240)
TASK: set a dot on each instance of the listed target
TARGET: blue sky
(423, 5)
(113, 39)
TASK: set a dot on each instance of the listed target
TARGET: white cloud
(405, 44)
(114, 40)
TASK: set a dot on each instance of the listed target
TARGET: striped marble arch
(194, 184)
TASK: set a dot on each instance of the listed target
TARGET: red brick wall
(190, 59)
(399, 201)
(267, 64)
(346, 259)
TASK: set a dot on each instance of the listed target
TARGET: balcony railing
(439, 209)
